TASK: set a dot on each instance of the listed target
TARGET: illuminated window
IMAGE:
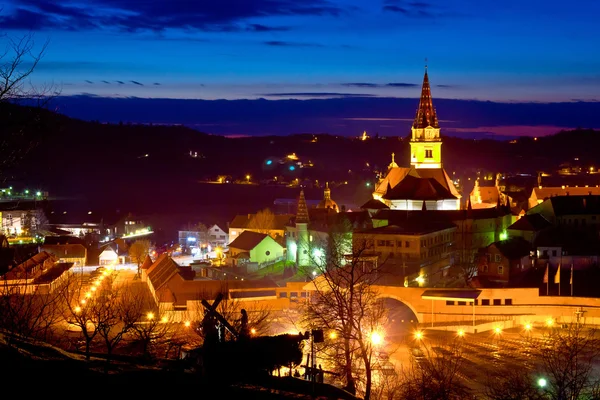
(500, 270)
(428, 153)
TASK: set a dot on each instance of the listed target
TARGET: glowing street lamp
(376, 338)
(332, 335)
(460, 333)
(88, 294)
(549, 322)
(77, 309)
(163, 319)
(187, 324)
(253, 331)
(542, 382)
(150, 316)
(497, 330)
(418, 335)
(248, 178)
(528, 327)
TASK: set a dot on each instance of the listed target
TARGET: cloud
(120, 82)
(448, 86)
(264, 28)
(417, 9)
(107, 82)
(156, 84)
(157, 15)
(88, 81)
(362, 84)
(137, 83)
(402, 84)
(281, 43)
(316, 94)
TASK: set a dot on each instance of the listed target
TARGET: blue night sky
(534, 50)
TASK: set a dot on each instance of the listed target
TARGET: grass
(273, 270)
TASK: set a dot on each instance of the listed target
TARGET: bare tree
(27, 312)
(345, 305)
(17, 62)
(121, 308)
(262, 222)
(566, 357)
(512, 384)
(35, 221)
(151, 330)
(138, 252)
(435, 375)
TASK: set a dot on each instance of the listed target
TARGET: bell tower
(426, 143)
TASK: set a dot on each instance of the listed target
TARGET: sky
(507, 51)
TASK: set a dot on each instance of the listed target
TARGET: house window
(428, 153)
(381, 243)
(449, 302)
(462, 303)
(233, 233)
(497, 257)
(267, 253)
(282, 294)
(553, 253)
(399, 243)
(497, 302)
(484, 268)
(508, 302)
(485, 302)
(500, 269)
(407, 244)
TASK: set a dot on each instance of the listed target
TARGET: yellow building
(425, 184)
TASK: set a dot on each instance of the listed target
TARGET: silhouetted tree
(262, 222)
(138, 252)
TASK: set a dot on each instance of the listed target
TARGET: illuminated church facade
(425, 184)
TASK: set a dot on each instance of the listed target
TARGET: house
(40, 274)
(20, 217)
(68, 253)
(254, 247)
(178, 297)
(499, 260)
(416, 251)
(566, 246)
(109, 256)
(217, 236)
(274, 227)
(7, 255)
(528, 227)
(541, 193)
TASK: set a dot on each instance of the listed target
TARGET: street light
(150, 316)
(332, 335)
(187, 324)
(376, 338)
(460, 333)
(549, 322)
(418, 335)
(527, 326)
(542, 382)
(497, 330)
(77, 309)
(253, 331)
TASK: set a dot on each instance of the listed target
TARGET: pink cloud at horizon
(513, 130)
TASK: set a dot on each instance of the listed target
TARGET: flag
(557, 276)
(571, 280)
(546, 274)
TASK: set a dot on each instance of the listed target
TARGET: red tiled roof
(247, 240)
(163, 269)
(66, 250)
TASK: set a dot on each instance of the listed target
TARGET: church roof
(393, 177)
(417, 188)
(426, 115)
(440, 175)
(327, 202)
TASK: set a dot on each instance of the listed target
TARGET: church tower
(426, 143)
(302, 220)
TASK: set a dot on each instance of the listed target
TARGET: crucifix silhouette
(425, 63)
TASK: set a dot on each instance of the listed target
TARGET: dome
(327, 203)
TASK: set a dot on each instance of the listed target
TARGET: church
(424, 185)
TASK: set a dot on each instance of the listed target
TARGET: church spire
(302, 212)
(393, 163)
(327, 192)
(426, 115)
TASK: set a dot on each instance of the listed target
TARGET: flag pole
(558, 272)
(548, 279)
(571, 280)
